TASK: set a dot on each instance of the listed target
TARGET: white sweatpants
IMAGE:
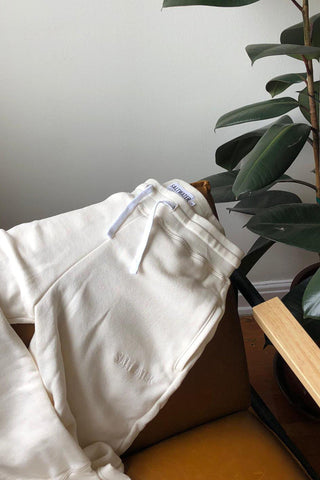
(124, 295)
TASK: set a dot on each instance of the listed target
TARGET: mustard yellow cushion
(236, 447)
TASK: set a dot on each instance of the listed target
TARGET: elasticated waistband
(196, 224)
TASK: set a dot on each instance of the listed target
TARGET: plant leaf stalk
(297, 5)
(312, 102)
(301, 182)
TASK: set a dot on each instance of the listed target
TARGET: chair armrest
(292, 342)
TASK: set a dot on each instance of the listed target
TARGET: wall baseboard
(268, 289)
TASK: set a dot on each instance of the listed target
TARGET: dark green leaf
(231, 153)
(271, 156)
(294, 34)
(315, 30)
(297, 225)
(258, 249)
(293, 299)
(261, 50)
(257, 111)
(209, 3)
(255, 203)
(303, 100)
(311, 297)
(221, 184)
(279, 84)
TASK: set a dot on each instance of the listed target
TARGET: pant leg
(33, 441)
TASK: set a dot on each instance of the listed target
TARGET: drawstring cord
(134, 268)
(145, 237)
(127, 211)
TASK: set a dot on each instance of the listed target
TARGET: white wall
(97, 96)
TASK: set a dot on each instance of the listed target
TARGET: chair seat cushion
(237, 447)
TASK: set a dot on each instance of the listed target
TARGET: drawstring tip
(133, 270)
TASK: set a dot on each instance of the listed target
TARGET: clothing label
(175, 187)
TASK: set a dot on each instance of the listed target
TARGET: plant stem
(311, 93)
(297, 4)
(302, 182)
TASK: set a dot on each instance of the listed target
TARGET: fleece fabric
(124, 295)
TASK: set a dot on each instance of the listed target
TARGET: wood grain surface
(297, 348)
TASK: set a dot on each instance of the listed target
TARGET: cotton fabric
(111, 344)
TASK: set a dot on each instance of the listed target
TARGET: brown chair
(215, 427)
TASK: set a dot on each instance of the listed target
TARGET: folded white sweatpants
(124, 295)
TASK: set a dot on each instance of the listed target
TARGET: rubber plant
(258, 160)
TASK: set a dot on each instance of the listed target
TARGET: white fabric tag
(176, 187)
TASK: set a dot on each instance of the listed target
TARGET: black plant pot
(293, 390)
(289, 384)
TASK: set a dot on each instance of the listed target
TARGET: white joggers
(124, 295)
